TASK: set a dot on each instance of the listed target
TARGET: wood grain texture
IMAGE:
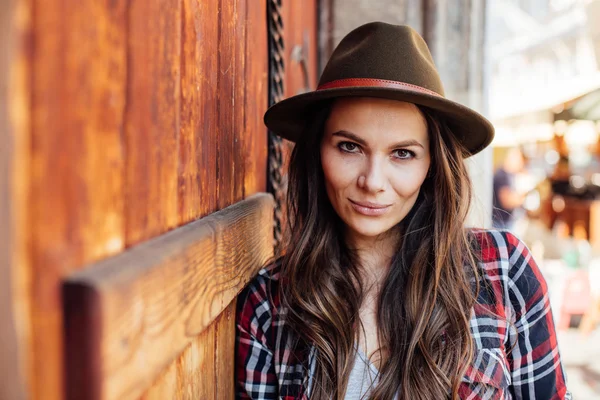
(15, 29)
(257, 87)
(196, 367)
(197, 172)
(199, 117)
(225, 354)
(226, 128)
(78, 72)
(151, 301)
(240, 129)
(197, 156)
(152, 119)
(201, 145)
(166, 386)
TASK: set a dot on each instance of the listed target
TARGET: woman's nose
(373, 177)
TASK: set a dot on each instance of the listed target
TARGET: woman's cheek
(338, 168)
(408, 181)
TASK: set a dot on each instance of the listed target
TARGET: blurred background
(123, 120)
(543, 72)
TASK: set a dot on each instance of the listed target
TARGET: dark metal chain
(277, 185)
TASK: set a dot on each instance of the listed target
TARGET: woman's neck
(374, 255)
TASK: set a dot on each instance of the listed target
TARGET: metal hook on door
(300, 55)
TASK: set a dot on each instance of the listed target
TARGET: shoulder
(504, 258)
(263, 286)
(493, 245)
(259, 300)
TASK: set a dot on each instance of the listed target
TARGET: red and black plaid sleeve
(255, 368)
(536, 368)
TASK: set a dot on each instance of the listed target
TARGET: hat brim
(289, 117)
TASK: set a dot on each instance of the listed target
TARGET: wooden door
(128, 129)
(125, 121)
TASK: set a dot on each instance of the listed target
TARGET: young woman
(382, 293)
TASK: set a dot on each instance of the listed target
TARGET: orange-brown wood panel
(256, 89)
(207, 41)
(139, 121)
(227, 108)
(198, 169)
(191, 96)
(78, 72)
(223, 133)
(194, 372)
(239, 131)
(15, 29)
(225, 354)
(165, 387)
(197, 188)
(197, 173)
(300, 36)
(153, 125)
(152, 118)
(196, 368)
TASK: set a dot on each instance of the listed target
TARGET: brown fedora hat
(385, 61)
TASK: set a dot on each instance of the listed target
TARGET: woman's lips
(368, 208)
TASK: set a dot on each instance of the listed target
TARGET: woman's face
(375, 157)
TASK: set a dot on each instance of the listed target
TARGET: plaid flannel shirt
(512, 311)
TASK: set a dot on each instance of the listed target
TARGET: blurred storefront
(544, 98)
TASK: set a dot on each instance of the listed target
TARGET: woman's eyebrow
(357, 139)
(407, 143)
(351, 136)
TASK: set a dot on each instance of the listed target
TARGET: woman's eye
(404, 154)
(348, 147)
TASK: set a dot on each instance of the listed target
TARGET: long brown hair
(425, 303)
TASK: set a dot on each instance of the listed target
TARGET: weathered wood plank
(150, 302)
(15, 369)
(225, 354)
(165, 387)
(226, 104)
(240, 131)
(196, 367)
(207, 133)
(197, 155)
(78, 72)
(198, 151)
(152, 121)
(189, 189)
(257, 86)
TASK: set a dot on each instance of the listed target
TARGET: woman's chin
(369, 229)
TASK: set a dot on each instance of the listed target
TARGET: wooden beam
(128, 317)
(15, 311)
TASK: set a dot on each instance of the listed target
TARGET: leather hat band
(371, 82)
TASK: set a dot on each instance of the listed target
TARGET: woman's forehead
(382, 118)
